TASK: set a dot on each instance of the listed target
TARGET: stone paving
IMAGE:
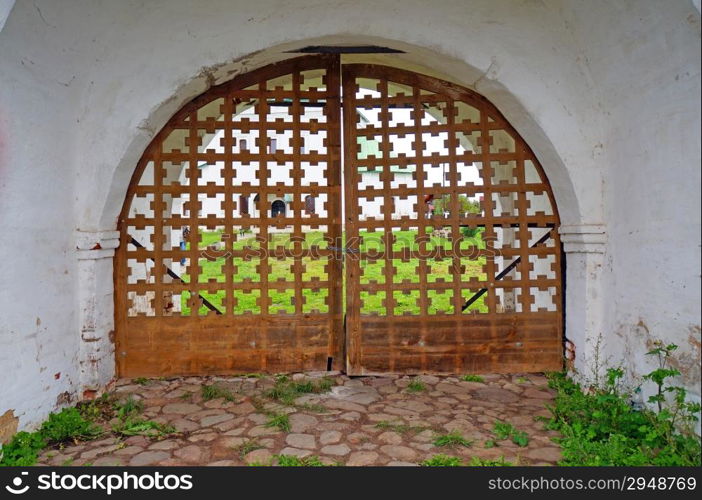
(365, 421)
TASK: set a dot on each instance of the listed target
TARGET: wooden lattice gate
(235, 232)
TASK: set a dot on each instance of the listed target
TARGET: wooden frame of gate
(443, 327)
(188, 304)
(186, 321)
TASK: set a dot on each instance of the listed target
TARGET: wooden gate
(233, 235)
(453, 259)
(220, 268)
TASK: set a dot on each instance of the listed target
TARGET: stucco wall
(606, 93)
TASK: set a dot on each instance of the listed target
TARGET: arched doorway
(443, 240)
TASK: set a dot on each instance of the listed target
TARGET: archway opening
(431, 245)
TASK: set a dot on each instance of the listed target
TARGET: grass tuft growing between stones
(279, 420)
(452, 440)
(484, 462)
(441, 460)
(416, 385)
(473, 378)
(401, 428)
(216, 391)
(286, 391)
(293, 461)
(248, 446)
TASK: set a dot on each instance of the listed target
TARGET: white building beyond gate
(607, 94)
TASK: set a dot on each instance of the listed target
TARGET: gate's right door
(453, 260)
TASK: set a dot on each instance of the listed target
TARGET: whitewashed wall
(606, 93)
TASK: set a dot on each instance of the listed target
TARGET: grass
(442, 461)
(286, 391)
(400, 428)
(452, 440)
(279, 420)
(248, 446)
(416, 385)
(135, 426)
(371, 271)
(128, 408)
(483, 462)
(505, 430)
(141, 381)
(216, 391)
(473, 378)
(293, 461)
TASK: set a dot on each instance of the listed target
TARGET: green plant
(416, 385)
(101, 408)
(522, 380)
(128, 408)
(601, 426)
(186, 396)
(505, 430)
(216, 391)
(67, 425)
(293, 461)
(248, 446)
(286, 391)
(452, 440)
(442, 461)
(140, 381)
(483, 462)
(473, 378)
(490, 443)
(133, 426)
(279, 420)
(23, 449)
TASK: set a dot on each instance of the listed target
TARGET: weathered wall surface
(606, 93)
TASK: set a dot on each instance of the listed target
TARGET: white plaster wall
(645, 58)
(85, 84)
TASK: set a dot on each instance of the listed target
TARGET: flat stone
(451, 388)
(546, 454)
(336, 450)
(109, 461)
(396, 452)
(148, 458)
(330, 437)
(215, 419)
(128, 451)
(390, 437)
(90, 454)
(168, 444)
(181, 408)
(537, 394)
(399, 463)
(295, 452)
(344, 405)
(242, 409)
(192, 454)
(351, 416)
(261, 456)
(221, 463)
(362, 458)
(306, 441)
(495, 395)
(299, 422)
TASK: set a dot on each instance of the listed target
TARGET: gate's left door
(226, 262)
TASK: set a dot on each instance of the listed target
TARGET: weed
(490, 443)
(601, 426)
(523, 380)
(186, 396)
(293, 461)
(452, 440)
(68, 425)
(141, 427)
(279, 420)
(483, 462)
(416, 385)
(140, 381)
(101, 408)
(128, 408)
(442, 461)
(248, 446)
(473, 378)
(505, 430)
(216, 391)
(23, 449)
(287, 391)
